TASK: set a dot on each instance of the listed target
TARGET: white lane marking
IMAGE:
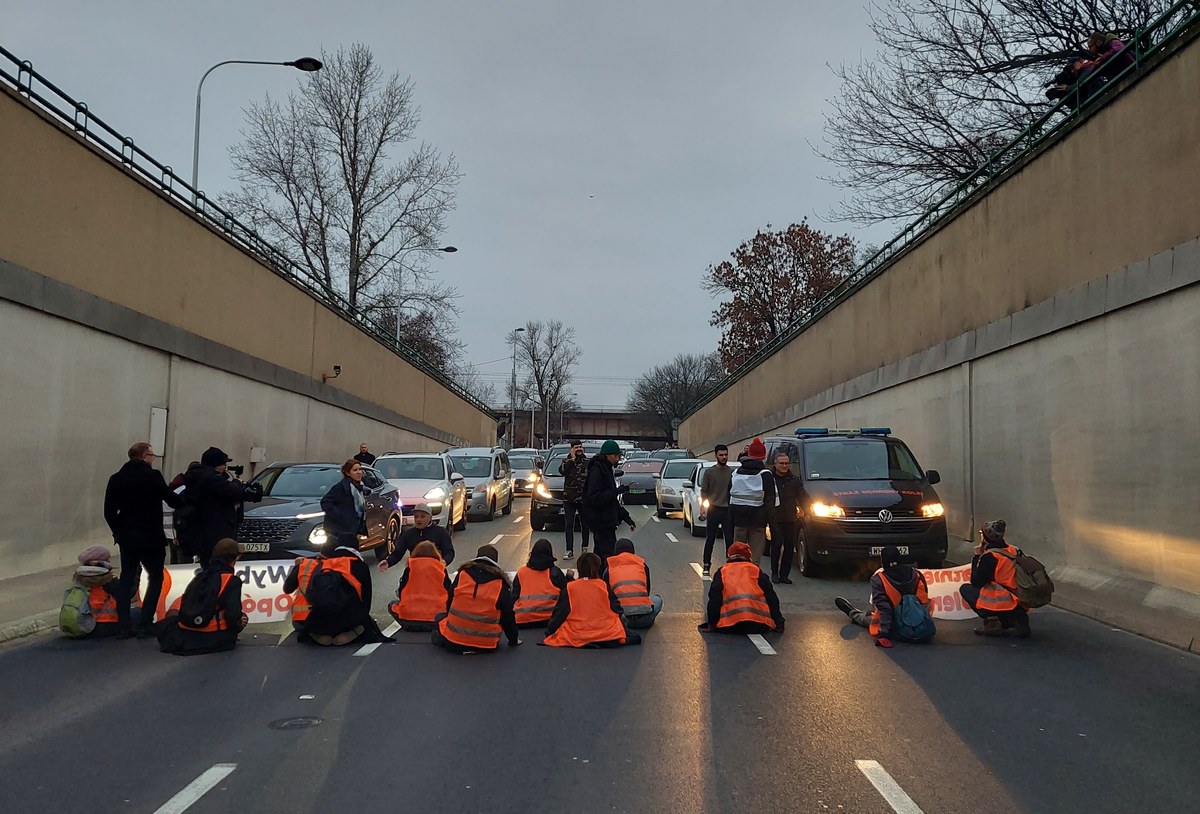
(496, 539)
(888, 788)
(193, 791)
(763, 646)
(518, 519)
(699, 569)
(672, 537)
(368, 649)
(655, 518)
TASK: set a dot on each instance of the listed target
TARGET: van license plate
(876, 550)
(254, 548)
(637, 491)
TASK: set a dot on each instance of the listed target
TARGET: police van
(861, 490)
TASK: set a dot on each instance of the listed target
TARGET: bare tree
(666, 392)
(773, 279)
(547, 352)
(470, 379)
(321, 177)
(952, 82)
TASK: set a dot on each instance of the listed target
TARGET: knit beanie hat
(95, 554)
(739, 551)
(610, 448)
(889, 556)
(994, 530)
(757, 450)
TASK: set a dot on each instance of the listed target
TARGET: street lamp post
(549, 385)
(400, 279)
(562, 420)
(512, 394)
(307, 64)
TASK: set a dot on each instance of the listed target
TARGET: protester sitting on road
(751, 494)
(95, 605)
(422, 529)
(340, 598)
(992, 592)
(629, 578)
(480, 609)
(210, 613)
(297, 583)
(537, 586)
(588, 614)
(345, 507)
(423, 592)
(741, 598)
(889, 585)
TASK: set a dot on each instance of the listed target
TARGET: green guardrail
(22, 78)
(1145, 44)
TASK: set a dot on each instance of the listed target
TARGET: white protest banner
(263, 599)
(945, 602)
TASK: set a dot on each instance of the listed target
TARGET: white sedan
(692, 508)
(668, 484)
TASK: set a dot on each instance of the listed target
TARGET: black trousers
(605, 541)
(718, 516)
(970, 595)
(152, 557)
(783, 547)
(570, 512)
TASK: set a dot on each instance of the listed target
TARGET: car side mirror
(618, 473)
(687, 484)
(933, 476)
(457, 477)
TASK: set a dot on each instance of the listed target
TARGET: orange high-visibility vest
(742, 598)
(218, 620)
(1001, 593)
(473, 620)
(342, 566)
(591, 618)
(103, 604)
(627, 578)
(424, 595)
(538, 596)
(894, 595)
(305, 568)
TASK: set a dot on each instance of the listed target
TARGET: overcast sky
(611, 151)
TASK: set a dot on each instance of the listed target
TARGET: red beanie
(758, 450)
(739, 551)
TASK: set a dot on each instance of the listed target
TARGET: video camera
(235, 470)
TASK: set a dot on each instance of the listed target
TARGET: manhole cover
(294, 723)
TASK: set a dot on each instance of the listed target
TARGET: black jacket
(413, 535)
(558, 578)
(481, 573)
(229, 603)
(754, 517)
(787, 490)
(600, 505)
(983, 566)
(218, 502)
(717, 588)
(365, 458)
(574, 472)
(341, 516)
(133, 504)
(358, 613)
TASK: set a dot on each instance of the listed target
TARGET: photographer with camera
(214, 498)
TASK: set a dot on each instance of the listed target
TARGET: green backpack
(75, 618)
(1034, 586)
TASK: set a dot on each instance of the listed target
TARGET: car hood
(552, 481)
(638, 479)
(276, 507)
(871, 494)
(415, 487)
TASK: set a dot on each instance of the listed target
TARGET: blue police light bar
(811, 431)
(875, 430)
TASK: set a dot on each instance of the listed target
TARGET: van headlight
(317, 536)
(932, 510)
(542, 491)
(828, 510)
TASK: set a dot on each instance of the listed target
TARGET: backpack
(1034, 586)
(328, 592)
(75, 617)
(199, 603)
(911, 621)
(746, 490)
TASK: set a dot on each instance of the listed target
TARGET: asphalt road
(1078, 718)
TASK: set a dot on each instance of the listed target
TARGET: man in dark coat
(784, 518)
(217, 499)
(574, 471)
(364, 456)
(600, 505)
(133, 510)
(422, 529)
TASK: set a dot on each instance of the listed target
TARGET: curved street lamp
(512, 395)
(400, 279)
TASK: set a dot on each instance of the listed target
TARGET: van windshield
(859, 459)
(474, 467)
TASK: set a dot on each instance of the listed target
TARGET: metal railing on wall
(1145, 45)
(21, 77)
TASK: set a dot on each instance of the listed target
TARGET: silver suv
(488, 477)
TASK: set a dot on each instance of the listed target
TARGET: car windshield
(679, 470)
(474, 467)
(520, 462)
(591, 449)
(668, 454)
(641, 467)
(411, 468)
(859, 459)
(636, 454)
(552, 467)
(300, 481)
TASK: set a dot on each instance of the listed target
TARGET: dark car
(288, 521)
(546, 500)
(860, 491)
(639, 477)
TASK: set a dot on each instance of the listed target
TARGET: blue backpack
(911, 622)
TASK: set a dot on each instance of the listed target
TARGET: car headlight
(704, 503)
(932, 510)
(667, 490)
(828, 510)
(317, 536)
(542, 491)
(436, 493)
(480, 489)
(533, 477)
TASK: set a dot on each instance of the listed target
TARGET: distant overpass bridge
(618, 425)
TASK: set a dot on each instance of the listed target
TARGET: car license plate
(255, 548)
(876, 550)
(637, 491)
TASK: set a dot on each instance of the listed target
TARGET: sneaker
(991, 627)
(570, 555)
(707, 571)
(844, 605)
(884, 642)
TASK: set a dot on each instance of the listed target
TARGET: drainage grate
(295, 723)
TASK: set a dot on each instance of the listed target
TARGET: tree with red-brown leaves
(772, 280)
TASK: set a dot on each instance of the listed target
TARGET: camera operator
(217, 497)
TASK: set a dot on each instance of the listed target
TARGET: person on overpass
(574, 469)
(601, 506)
(588, 614)
(751, 494)
(340, 595)
(364, 456)
(714, 504)
(537, 586)
(741, 598)
(210, 615)
(480, 610)
(423, 591)
(992, 592)
(421, 530)
(893, 581)
(629, 578)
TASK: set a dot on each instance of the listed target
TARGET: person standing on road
(588, 614)
(889, 585)
(364, 456)
(421, 530)
(992, 592)
(601, 507)
(537, 586)
(629, 577)
(216, 498)
(480, 609)
(345, 507)
(133, 511)
(751, 496)
(741, 598)
(183, 546)
(423, 591)
(714, 504)
(574, 469)
(784, 517)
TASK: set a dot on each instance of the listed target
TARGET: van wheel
(804, 562)
(507, 510)
(384, 549)
(491, 515)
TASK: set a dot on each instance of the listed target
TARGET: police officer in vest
(480, 609)
(891, 582)
(588, 614)
(423, 591)
(629, 577)
(537, 586)
(741, 598)
(992, 592)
